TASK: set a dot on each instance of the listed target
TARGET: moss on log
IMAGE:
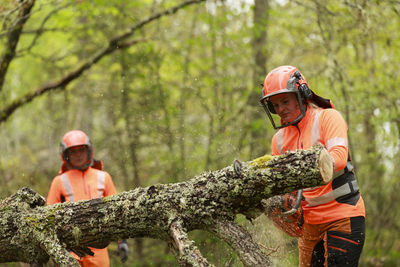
(31, 232)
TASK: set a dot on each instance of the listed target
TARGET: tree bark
(31, 232)
(260, 58)
(13, 36)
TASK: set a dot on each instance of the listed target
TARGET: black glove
(123, 250)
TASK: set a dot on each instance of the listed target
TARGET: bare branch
(189, 254)
(41, 29)
(115, 43)
(241, 241)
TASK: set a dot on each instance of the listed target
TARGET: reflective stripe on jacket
(75, 185)
(70, 192)
(341, 197)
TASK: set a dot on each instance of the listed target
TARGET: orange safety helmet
(285, 79)
(72, 139)
(288, 79)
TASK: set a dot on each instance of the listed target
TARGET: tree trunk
(31, 232)
(260, 57)
(12, 37)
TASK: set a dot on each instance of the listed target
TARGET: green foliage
(180, 102)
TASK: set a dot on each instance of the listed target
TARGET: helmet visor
(78, 157)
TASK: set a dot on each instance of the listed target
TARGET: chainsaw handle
(296, 204)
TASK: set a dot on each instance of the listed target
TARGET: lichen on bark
(32, 232)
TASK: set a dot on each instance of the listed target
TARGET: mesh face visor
(65, 155)
(274, 118)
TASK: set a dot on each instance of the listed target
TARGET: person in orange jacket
(82, 178)
(333, 232)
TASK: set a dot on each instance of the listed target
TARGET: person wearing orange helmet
(333, 231)
(82, 178)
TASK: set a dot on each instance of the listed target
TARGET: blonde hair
(312, 105)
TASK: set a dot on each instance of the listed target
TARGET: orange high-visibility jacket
(339, 198)
(75, 185)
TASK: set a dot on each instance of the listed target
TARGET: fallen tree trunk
(31, 232)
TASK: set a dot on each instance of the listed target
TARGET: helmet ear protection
(305, 91)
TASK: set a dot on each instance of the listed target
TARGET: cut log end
(325, 164)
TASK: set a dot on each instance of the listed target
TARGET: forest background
(165, 96)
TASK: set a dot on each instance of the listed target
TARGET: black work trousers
(332, 244)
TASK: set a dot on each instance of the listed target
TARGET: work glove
(123, 250)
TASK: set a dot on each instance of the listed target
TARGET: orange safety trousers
(337, 243)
